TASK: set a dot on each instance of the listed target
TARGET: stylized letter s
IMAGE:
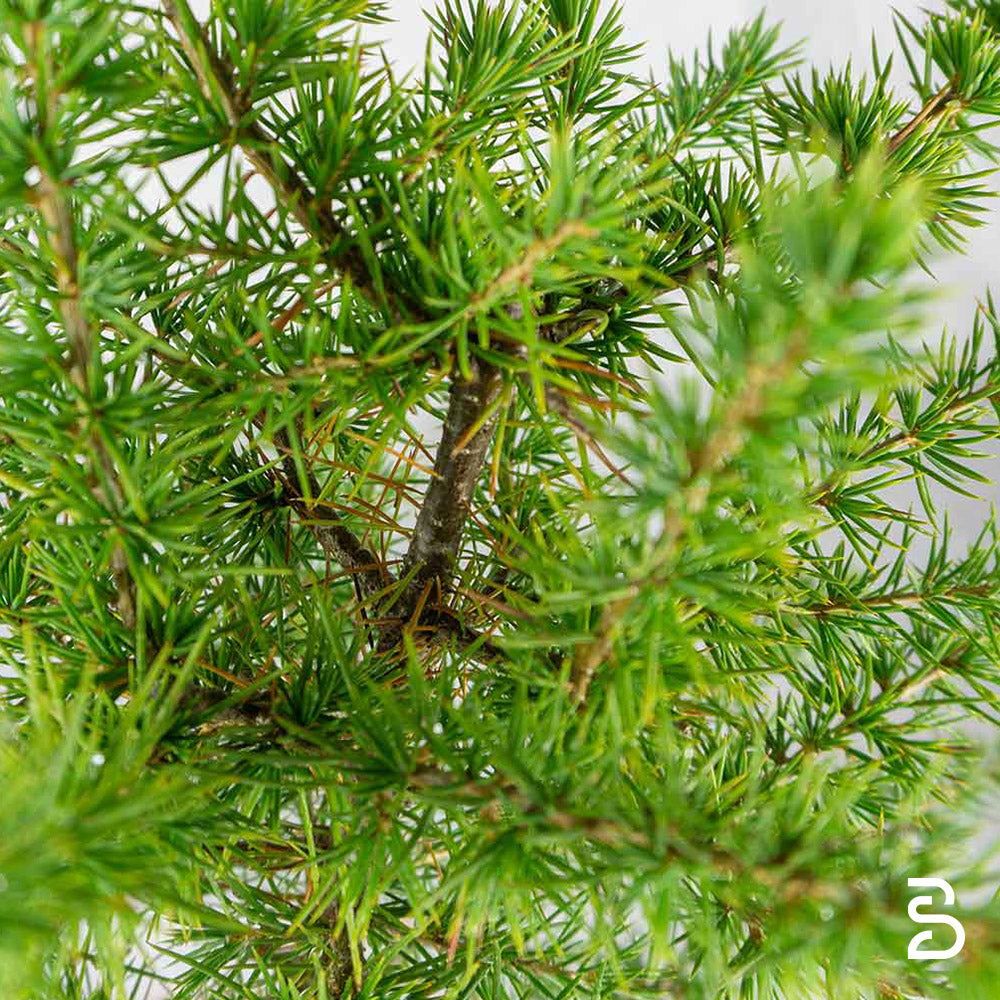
(933, 918)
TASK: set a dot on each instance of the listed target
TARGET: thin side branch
(216, 78)
(879, 451)
(895, 600)
(57, 215)
(337, 540)
(931, 112)
(558, 404)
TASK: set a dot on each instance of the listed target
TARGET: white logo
(916, 916)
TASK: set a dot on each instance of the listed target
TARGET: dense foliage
(454, 530)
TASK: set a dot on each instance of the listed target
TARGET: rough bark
(437, 536)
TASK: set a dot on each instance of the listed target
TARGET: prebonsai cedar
(376, 620)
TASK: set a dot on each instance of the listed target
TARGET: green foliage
(481, 534)
(88, 825)
(711, 101)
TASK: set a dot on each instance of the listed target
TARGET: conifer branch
(466, 435)
(661, 987)
(931, 112)
(216, 79)
(495, 797)
(372, 579)
(57, 213)
(878, 451)
(894, 696)
(557, 403)
(693, 495)
(895, 600)
(334, 794)
(337, 540)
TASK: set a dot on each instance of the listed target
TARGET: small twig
(216, 79)
(892, 697)
(556, 402)
(933, 110)
(895, 600)
(876, 452)
(335, 538)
